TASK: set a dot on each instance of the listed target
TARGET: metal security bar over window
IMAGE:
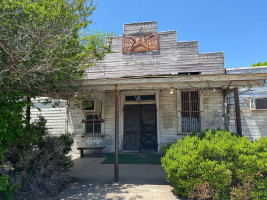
(93, 126)
(190, 111)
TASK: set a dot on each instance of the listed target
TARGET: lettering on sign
(138, 44)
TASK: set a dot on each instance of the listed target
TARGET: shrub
(7, 189)
(217, 165)
(37, 162)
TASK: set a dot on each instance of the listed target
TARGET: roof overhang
(224, 81)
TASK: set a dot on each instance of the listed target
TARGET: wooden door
(148, 128)
(140, 128)
(131, 128)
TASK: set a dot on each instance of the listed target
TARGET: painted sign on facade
(138, 44)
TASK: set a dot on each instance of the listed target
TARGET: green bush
(7, 189)
(217, 165)
(36, 165)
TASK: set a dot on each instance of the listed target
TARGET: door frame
(123, 102)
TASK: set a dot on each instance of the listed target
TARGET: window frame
(94, 122)
(253, 105)
(138, 98)
(190, 111)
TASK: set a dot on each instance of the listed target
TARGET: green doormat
(154, 159)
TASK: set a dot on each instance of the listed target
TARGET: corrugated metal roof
(248, 70)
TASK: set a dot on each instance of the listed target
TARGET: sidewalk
(93, 180)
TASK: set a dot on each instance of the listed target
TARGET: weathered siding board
(144, 27)
(212, 116)
(168, 123)
(109, 139)
(253, 121)
(172, 57)
(56, 117)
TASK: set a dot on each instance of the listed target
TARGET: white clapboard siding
(213, 109)
(168, 123)
(56, 117)
(253, 121)
(172, 57)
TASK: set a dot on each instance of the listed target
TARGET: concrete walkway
(93, 180)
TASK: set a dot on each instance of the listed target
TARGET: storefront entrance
(140, 128)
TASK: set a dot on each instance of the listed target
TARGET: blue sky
(237, 27)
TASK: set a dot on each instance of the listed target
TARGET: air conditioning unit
(92, 106)
(258, 104)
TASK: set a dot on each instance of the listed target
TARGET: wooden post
(237, 112)
(116, 163)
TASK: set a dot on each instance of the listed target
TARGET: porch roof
(224, 81)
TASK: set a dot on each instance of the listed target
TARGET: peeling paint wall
(168, 122)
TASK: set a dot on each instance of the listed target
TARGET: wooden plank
(179, 111)
(235, 78)
(172, 56)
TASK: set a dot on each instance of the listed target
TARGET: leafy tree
(45, 47)
(259, 64)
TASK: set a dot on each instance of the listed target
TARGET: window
(89, 105)
(93, 125)
(147, 97)
(190, 111)
(141, 98)
(92, 106)
(259, 104)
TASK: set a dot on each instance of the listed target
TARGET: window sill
(95, 138)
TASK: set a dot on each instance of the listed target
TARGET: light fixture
(172, 91)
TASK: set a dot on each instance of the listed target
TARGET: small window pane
(261, 103)
(147, 97)
(97, 127)
(97, 117)
(90, 117)
(89, 105)
(89, 127)
(131, 98)
(141, 98)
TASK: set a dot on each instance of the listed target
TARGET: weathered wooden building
(164, 90)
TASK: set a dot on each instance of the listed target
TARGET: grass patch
(154, 159)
